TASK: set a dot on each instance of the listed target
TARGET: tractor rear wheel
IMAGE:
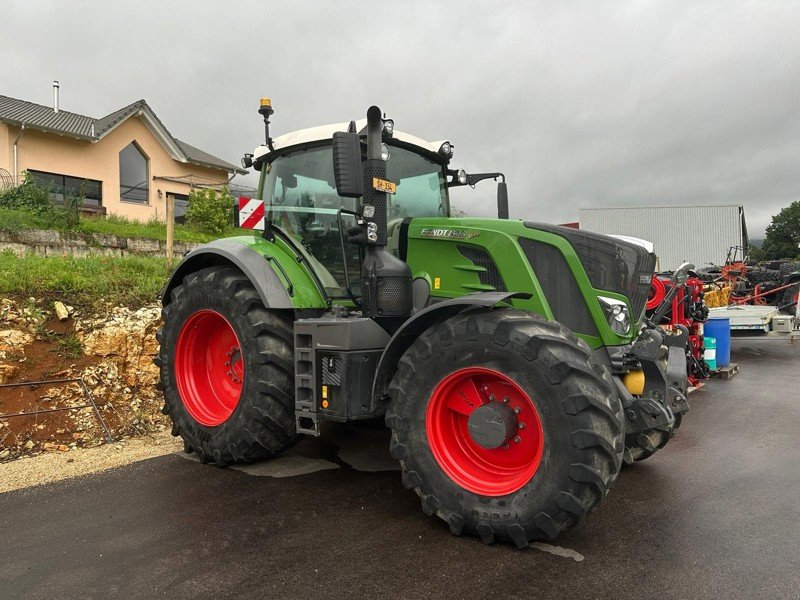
(227, 369)
(504, 426)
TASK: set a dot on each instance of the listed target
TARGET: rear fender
(255, 266)
(421, 322)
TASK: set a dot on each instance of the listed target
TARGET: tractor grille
(559, 286)
(611, 264)
(480, 257)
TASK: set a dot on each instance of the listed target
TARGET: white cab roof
(325, 132)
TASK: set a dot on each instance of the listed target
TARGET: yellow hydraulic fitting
(634, 381)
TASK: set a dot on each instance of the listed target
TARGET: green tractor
(509, 359)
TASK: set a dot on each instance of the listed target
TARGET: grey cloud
(580, 103)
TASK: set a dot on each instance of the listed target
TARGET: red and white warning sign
(251, 213)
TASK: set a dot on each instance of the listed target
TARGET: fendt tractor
(511, 360)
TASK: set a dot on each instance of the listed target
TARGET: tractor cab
(298, 187)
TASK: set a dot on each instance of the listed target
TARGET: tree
(210, 210)
(783, 234)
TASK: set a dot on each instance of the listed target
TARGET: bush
(27, 196)
(35, 201)
(210, 210)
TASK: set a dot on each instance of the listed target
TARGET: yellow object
(384, 186)
(266, 102)
(324, 391)
(437, 283)
(715, 296)
(634, 381)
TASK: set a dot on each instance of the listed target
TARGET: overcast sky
(581, 104)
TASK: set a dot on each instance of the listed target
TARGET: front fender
(422, 321)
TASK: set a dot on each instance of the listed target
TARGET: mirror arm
(474, 178)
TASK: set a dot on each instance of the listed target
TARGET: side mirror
(502, 200)
(682, 273)
(347, 169)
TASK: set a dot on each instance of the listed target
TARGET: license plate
(384, 186)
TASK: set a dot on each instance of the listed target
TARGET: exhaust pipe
(55, 96)
(385, 279)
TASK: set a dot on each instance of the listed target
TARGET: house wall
(100, 160)
(5, 149)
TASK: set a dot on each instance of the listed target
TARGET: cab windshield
(300, 192)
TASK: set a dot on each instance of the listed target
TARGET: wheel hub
(234, 365)
(492, 425)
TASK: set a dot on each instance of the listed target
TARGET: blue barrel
(720, 328)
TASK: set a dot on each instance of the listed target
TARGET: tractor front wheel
(504, 426)
(227, 369)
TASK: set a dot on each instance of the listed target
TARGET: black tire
(787, 304)
(788, 268)
(262, 423)
(642, 445)
(580, 411)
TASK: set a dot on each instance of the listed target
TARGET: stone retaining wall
(46, 242)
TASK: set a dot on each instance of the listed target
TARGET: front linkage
(654, 392)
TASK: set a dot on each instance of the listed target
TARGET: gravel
(50, 467)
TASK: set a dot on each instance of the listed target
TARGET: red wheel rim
(658, 290)
(489, 472)
(209, 368)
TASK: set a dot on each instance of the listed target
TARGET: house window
(133, 181)
(61, 186)
(181, 204)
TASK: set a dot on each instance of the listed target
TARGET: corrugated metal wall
(697, 234)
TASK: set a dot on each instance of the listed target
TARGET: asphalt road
(714, 515)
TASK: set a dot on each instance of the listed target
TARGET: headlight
(384, 152)
(462, 176)
(619, 319)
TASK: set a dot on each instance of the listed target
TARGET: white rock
(61, 311)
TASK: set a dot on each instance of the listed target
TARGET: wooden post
(170, 214)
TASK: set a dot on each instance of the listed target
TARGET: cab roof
(325, 132)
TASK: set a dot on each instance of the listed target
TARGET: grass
(14, 219)
(130, 281)
(70, 344)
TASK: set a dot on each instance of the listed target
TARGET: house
(125, 163)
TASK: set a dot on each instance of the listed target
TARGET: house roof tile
(37, 116)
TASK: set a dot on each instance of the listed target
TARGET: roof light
(388, 127)
(446, 150)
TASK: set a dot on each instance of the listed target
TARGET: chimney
(55, 96)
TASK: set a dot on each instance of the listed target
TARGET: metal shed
(698, 234)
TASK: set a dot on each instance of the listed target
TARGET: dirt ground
(41, 347)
